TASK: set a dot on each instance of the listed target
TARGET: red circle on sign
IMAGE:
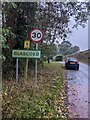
(40, 32)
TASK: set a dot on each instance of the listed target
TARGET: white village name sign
(26, 54)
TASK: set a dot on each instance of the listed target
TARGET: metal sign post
(36, 36)
(16, 69)
(27, 46)
(36, 64)
(26, 69)
(36, 54)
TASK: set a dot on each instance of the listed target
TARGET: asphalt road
(78, 82)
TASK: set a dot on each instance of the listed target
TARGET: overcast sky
(80, 37)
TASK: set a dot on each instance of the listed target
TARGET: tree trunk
(48, 60)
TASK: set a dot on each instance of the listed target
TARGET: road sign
(36, 35)
(27, 44)
(26, 54)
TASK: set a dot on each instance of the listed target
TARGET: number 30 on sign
(36, 35)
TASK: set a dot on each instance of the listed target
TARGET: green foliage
(57, 15)
(42, 100)
(83, 56)
(18, 19)
(7, 33)
(69, 51)
(75, 49)
(66, 48)
(2, 41)
(48, 50)
(10, 5)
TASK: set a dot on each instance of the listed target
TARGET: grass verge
(44, 99)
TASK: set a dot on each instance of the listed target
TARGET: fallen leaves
(45, 99)
(5, 93)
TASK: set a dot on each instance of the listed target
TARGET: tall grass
(42, 99)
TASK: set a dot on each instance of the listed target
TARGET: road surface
(78, 81)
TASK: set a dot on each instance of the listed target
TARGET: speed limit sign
(36, 35)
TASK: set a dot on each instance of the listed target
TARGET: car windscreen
(72, 59)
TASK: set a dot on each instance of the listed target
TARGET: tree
(56, 16)
(17, 19)
(48, 50)
(7, 32)
(64, 47)
(75, 49)
(53, 18)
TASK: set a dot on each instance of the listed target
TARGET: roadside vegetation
(42, 99)
(83, 56)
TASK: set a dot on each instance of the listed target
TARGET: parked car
(71, 63)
